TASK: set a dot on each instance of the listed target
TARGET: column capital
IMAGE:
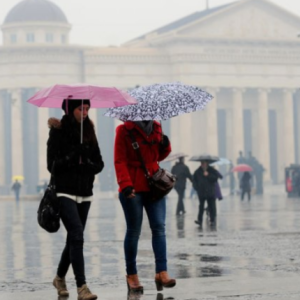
(212, 90)
(238, 90)
(264, 90)
(15, 93)
(289, 91)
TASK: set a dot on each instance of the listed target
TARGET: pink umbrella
(242, 168)
(100, 97)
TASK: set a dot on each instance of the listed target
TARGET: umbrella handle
(162, 134)
(81, 124)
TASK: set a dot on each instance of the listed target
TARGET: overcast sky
(112, 22)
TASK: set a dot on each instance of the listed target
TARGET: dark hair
(73, 128)
(69, 105)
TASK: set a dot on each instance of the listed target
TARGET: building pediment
(246, 19)
(252, 19)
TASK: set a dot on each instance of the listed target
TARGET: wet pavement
(253, 253)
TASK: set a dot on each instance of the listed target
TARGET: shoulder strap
(52, 179)
(136, 147)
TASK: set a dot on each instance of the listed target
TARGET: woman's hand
(165, 141)
(128, 192)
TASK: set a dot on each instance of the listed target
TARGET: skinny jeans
(74, 216)
(156, 212)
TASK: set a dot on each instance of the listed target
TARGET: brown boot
(133, 283)
(84, 293)
(60, 285)
(162, 280)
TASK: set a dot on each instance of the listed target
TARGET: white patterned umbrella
(161, 102)
(174, 156)
(222, 161)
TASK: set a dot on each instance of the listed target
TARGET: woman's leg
(64, 264)
(156, 212)
(71, 215)
(243, 194)
(133, 211)
(212, 209)
(201, 209)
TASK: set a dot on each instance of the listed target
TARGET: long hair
(73, 128)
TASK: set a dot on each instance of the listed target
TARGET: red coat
(127, 165)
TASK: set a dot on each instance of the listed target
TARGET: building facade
(246, 54)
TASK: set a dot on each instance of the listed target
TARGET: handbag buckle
(135, 145)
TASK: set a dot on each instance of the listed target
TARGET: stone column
(2, 142)
(43, 115)
(263, 140)
(237, 123)
(185, 137)
(17, 132)
(288, 125)
(211, 123)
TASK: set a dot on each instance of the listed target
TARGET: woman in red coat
(134, 192)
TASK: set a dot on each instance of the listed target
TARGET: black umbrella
(205, 157)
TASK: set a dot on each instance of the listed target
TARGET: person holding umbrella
(155, 102)
(16, 188)
(134, 195)
(182, 172)
(204, 182)
(74, 166)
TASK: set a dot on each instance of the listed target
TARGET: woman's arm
(164, 148)
(212, 175)
(53, 153)
(95, 162)
(121, 159)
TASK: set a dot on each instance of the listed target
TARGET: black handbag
(48, 214)
(161, 182)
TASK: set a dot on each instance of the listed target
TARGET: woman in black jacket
(204, 182)
(74, 166)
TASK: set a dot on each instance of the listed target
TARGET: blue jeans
(156, 212)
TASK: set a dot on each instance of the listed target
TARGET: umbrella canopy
(204, 157)
(221, 162)
(242, 168)
(174, 156)
(161, 102)
(100, 97)
(18, 177)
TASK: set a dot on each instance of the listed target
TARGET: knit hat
(73, 104)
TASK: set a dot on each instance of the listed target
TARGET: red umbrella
(242, 168)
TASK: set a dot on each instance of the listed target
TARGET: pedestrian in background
(16, 187)
(134, 195)
(204, 182)
(182, 173)
(245, 185)
(75, 167)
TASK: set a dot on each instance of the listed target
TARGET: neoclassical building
(246, 54)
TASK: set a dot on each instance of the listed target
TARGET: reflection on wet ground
(257, 238)
(138, 296)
